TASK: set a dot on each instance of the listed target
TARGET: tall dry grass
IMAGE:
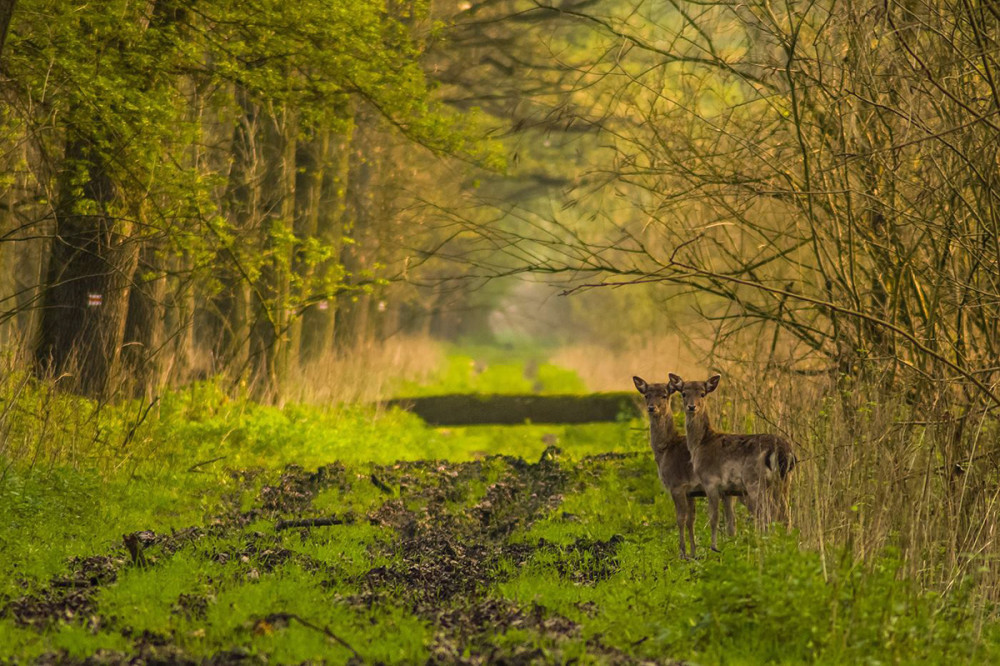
(878, 473)
(367, 373)
(604, 369)
(43, 425)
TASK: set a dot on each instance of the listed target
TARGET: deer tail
(781, 460)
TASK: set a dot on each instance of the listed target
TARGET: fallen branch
(313, 522)
(74, 583)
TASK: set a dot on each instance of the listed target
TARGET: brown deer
(757, 465)
(673, 462)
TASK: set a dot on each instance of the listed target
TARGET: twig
(378, 483)
(138, 422)
(277, 617)
(194, 467)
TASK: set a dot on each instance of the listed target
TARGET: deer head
(693, 393)
(657, 397)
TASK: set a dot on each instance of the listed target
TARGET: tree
(191, 177)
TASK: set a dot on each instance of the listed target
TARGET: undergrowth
(524, 543)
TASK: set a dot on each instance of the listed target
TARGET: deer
(755, 465)
(673, 462)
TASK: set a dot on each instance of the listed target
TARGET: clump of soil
(191, 606)
(263, 550)
(49, 605)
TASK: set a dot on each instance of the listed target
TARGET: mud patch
(51, 605)
(451, 529)
(588, 562)
(295, 489)
(448, 555)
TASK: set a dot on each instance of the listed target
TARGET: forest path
(438, 538)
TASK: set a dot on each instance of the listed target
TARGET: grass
(458, 544)
(490, 371)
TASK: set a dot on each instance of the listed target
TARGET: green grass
(547, 591)
(489, 373)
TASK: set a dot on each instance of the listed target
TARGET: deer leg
(750, 502)
(782, 501)
(727, 507)
(772, 510)
(680, 511)
(761, 505)
(713, 516)
(690, 524)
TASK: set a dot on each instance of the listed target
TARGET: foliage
(807, 177)
(202, 153)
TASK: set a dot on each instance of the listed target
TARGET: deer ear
(640, 384)
(712, 383)
(675, 382)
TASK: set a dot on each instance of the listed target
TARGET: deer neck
(662, 432)
(698, 428)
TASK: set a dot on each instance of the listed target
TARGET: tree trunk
(6, 11)
(272, 314)
(181, 364)
(363, 170)
(230, 307)
(145, 324)
(317, 326)
(89, 280)
(310, 160)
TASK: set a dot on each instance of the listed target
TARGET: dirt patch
(191, 606)
(94, 570)
(296, 488)
(445, 548)
(151, 650)
(67, 597)
(455, 643)
(588, 562)
(262, 550)
(52, 604)
(452, 525)
(448, 556)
